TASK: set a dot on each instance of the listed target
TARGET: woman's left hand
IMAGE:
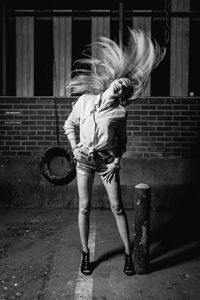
(111, 171)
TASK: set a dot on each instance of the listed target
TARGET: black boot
(128, 265)
(85, 263)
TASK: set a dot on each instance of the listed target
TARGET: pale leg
(114, 194)
(85, 182)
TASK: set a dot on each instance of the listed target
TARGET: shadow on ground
(175, 239)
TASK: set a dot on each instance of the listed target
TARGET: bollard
(142, 206)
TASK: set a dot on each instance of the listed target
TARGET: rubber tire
(47, 173)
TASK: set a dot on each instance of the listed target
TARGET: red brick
(166, 126)
(44, 143)
(165, 107)
(23, 153)
(156, 113)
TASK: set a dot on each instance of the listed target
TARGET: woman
(117, 76)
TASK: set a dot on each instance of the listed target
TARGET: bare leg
(114, 194)
(85, 182)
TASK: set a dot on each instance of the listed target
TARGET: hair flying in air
(135, 62)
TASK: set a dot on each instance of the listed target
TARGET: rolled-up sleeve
(73, 120)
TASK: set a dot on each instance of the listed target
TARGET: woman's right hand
(119, 83)
(79, 154)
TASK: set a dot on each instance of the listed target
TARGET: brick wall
(164, 127)
(157, 127)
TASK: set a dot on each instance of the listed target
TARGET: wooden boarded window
(25, 56)
(7, 52)
(11, 56)
(179, 67)
(62, 36)
(1, 58)
(160, 77)
(81, 38)
(144, 23)
(194, 50)
(43, 49)
(100, 27)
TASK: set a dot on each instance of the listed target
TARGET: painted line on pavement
(84, 284)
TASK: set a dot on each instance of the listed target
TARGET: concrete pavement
(40, 257)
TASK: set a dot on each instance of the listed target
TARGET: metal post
(142, 205)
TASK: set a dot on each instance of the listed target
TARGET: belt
(101, 155)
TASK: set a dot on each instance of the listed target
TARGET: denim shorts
(95, 163)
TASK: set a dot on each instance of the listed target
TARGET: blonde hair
(135, 62)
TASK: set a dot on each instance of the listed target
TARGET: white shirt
(101, 128)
